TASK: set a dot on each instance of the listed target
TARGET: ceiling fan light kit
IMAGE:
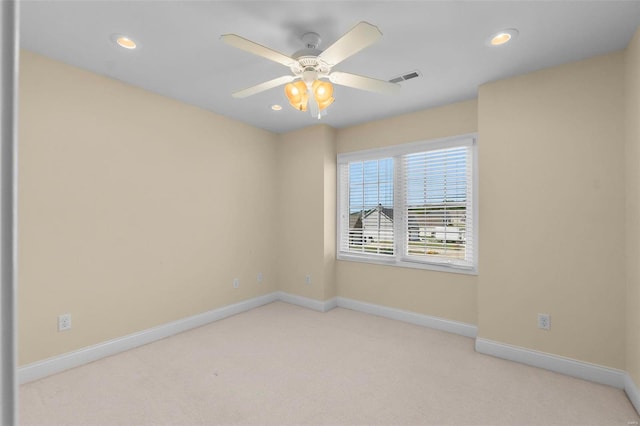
(298, 94)
(310, 66)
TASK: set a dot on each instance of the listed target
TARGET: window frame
(396, 152)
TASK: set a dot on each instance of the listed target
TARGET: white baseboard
(632, 392)
(330, 304)
(571, 367)
(305, 302)
(559, 364)
(57, 364)
(450, 326)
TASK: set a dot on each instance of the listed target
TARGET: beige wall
(330, 198)
(135, 210)
(632, 155)
(552, 195)
(450, 120)
(306, 202)
(440, 294)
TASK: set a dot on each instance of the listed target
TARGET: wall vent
(407, 76)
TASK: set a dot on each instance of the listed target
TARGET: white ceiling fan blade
(264, 86)
(363, 83)
(362, 35)
(257, 49)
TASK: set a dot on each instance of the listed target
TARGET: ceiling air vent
(407, 76)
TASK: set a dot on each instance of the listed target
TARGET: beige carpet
(282, 364)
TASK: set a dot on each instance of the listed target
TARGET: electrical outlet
(544, 321)
(64, 322)
(259, 277)
(236, 282)
(307, 279)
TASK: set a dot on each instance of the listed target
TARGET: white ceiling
(181, 56)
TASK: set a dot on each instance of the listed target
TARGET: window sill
(392, 261)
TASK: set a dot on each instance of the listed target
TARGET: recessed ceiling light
(124, 41)
(276, 107)
(503, 37)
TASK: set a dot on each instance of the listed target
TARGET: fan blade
(264, 86)
(257, 49)
(362, 35)
(363, 83)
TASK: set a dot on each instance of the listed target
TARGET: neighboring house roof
(355, 220)
(388, 212)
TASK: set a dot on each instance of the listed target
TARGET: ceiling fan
(310, 65)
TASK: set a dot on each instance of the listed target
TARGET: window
(410, 205)
(371, 207)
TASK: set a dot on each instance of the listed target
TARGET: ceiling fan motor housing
(310, 63)
(308, 59)
(309, 75)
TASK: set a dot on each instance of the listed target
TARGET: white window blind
(410, 205)
(437, 206)
(368, 216)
